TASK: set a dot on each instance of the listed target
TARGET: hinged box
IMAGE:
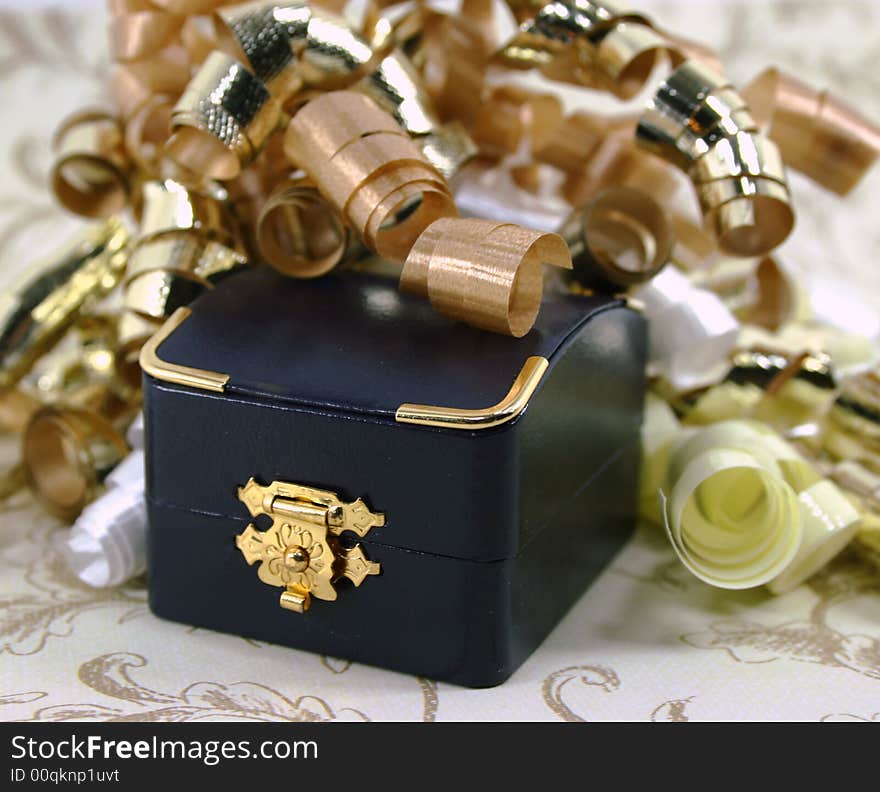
(333, 466)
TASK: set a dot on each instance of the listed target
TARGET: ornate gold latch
(302, 551)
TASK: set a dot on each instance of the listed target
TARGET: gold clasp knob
(301, 551)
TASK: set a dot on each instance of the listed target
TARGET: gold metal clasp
(302, 551)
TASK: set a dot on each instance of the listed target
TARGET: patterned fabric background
(647, 641)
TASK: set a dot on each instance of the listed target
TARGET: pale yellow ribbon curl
(744, 509)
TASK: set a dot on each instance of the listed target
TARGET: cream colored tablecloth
(647, 641)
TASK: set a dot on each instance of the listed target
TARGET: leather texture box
(334, 467)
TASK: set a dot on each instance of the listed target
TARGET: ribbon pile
(310, 135)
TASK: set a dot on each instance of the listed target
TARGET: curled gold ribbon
(369, 169)
(138, 29)
(133, 331)
(453, 59)
(299, 233)
(484, 273)
(395, 87)
(66, 452)
(156, 294)
(448, 148)
(171, 208)
(621, 238)
(90, 175)
(819, 135)
(597, 45)
(268, 37)
(739, 155)
(571, 18)
(184, 246)
(548, 29)
(743, 192)
(171, 271)
(512, 115)
(217, 262)
(687, 91)
(16, 408)
(571, 144)
(617, 162)
(720, 116)
(699, 123)
(89, 362)
(165, 71)
(222, 120)
(750, 216)
(334, 56)
(627, 56)
(146, 131)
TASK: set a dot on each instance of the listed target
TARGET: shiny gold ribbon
(691, 89)
(222, 120)
(50, 295)
(334, 56)
(396, 87)
(90, 175)
(268, 37)
(169, 207)
(597, 45)
(699, 123)
(66, 452)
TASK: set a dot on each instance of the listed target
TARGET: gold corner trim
(506, 410)
(153, 365)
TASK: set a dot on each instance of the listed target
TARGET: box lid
(352, 343)
(310, 380)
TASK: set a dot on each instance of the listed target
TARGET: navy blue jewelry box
(334, 467)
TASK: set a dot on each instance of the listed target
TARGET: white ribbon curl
(107, 543)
